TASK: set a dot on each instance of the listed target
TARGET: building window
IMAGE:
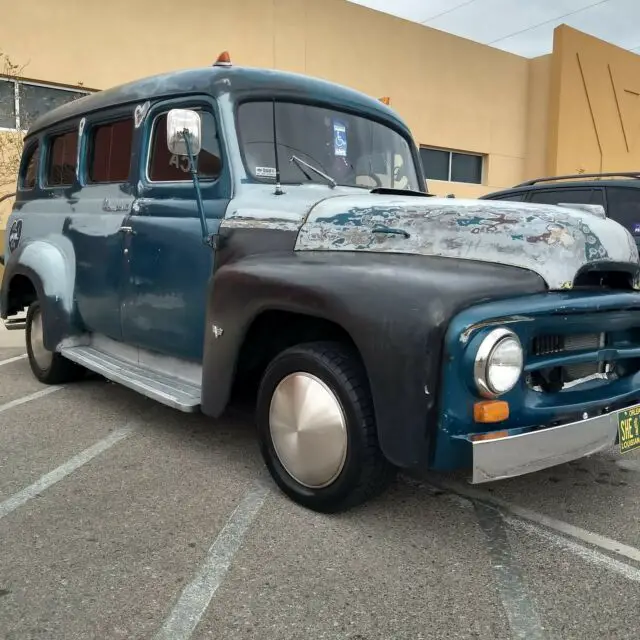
(451, 166)
(21, 103)
(61, 162)
(110, 151)
(7, 105)
(166, 167)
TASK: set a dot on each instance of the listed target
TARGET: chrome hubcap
(42, 357)
(308, 430)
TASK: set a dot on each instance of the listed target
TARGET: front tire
(317, 429)
(47, 366)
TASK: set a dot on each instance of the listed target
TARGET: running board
(15, 324)
(173, 392)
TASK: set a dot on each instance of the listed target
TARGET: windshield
(350, 150)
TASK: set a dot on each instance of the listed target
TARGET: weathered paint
(552, 241)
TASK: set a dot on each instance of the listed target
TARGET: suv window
(62, 158)
(110, 151)
(166, 167)
(30, 167)
(512, 197)
(624, 207)
(555, 196)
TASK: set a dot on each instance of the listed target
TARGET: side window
(554, 196)
(511, 197)
(624, 207)
(61, 159)
(165, 167)
(110, 151)
(29, 175)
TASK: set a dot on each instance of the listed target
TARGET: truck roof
(216, 81)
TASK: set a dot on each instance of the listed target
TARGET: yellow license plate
(629, 429)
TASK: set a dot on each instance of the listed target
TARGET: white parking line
(29, 398)
(51, 478)
(595, 539)
(586, 553)
(15, 359)
(590, 555)
(517, 602)
(629, 465)
(197, 595)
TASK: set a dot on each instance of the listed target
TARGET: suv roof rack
(623, 174)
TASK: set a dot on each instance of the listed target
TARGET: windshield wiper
(301, 163)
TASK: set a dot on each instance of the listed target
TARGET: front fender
(396, 308)
(50, 266)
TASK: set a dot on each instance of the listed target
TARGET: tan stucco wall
(454, 93)
(594, 106)
(557, 113)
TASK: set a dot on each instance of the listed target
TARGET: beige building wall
(594, 106)
(453, 93)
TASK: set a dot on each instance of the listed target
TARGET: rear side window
(568, 196)
(30, 167)
(166, 167)
(624, 207)
(110, 151)
(61, 162)
(511, 197)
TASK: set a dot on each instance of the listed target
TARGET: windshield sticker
(339, 139)
(636, 227)
(265, 172)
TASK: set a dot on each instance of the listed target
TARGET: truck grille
(557, 378)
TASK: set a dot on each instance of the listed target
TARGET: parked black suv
(618, 193)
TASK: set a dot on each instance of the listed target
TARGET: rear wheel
(47, 366)
(317, 429)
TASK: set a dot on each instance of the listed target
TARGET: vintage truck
(225, 228)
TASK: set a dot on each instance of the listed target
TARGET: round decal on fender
(14, 235)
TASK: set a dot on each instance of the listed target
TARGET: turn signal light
(224, 60)
(491, 411)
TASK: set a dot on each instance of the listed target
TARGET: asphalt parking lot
(120, 518)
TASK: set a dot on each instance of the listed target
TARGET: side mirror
(181, 123)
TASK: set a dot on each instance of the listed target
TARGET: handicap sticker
(636, 227)
(339, 139)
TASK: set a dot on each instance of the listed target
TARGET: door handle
(126, 230)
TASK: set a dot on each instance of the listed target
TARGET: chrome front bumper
(528, 452)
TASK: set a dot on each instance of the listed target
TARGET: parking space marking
(51, 478)
(29, 398)
(594, 539)
(518, 604)
(197, 595)
(590, 555)
(15, 359)
(629, 465)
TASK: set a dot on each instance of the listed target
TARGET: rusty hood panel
(554, 242)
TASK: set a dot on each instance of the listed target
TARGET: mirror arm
(206, 237)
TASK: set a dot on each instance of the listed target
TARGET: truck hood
(555, 242)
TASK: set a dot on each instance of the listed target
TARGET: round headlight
(498, 364)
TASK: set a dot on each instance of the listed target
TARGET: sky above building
(523, 27)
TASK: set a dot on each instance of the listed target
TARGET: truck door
(167, 264)
(97, 211)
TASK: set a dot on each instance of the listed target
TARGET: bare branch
(11, 142)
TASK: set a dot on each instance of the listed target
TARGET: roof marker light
(224, 60)
(385, 100)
